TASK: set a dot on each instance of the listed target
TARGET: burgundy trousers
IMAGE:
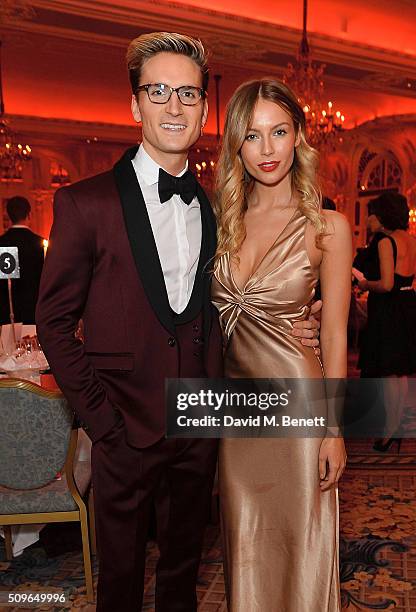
(174, 475)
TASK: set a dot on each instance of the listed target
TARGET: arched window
(377, 173)
(385, 174)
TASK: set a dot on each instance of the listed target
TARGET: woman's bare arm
(335, 275)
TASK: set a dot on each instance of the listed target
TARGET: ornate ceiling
(65, 58)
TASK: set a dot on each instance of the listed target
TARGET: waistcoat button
(171, 341)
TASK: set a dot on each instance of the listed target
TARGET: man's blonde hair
(146, 46)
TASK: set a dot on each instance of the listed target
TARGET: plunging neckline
(257, 267)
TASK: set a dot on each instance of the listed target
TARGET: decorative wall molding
(74, 131)
(254, 42)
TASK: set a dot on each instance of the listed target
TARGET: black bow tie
(184, 186)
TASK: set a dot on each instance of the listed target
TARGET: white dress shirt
(176, 228)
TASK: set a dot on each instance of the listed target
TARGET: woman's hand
(363, 284)
(332, 462)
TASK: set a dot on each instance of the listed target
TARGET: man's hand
(332, 462)
(308, 331)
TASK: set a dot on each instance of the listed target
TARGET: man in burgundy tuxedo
(130, 254)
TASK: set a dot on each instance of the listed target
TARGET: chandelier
(324, 124)
(412, 221)
(12, 154)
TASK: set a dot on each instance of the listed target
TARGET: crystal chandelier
(324, 124)
(12, 154)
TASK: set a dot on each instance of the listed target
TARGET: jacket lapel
(142, 242)
(208, 248)
(145, 254)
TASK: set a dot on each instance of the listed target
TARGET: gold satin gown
(280, 532)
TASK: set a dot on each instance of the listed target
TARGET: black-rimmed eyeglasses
(159, 93)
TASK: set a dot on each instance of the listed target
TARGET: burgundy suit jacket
(102, 266)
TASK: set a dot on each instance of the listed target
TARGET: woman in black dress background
(388, 348)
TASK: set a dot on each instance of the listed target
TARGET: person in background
(388, 347)
(24, 289)
(366, 257)
(328, 204)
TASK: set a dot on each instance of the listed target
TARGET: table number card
(9, 268)
(9, 262)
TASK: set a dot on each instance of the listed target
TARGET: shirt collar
(19, 226)
(147, 168)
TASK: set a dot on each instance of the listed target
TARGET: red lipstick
(268, 166)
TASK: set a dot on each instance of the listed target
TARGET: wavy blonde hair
(234, 184)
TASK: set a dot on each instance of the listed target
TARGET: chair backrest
(35, 429)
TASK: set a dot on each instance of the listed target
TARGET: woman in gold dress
(278, 496)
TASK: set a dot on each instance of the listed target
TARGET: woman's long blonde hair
(233, 183)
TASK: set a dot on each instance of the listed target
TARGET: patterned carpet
(378, 545)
